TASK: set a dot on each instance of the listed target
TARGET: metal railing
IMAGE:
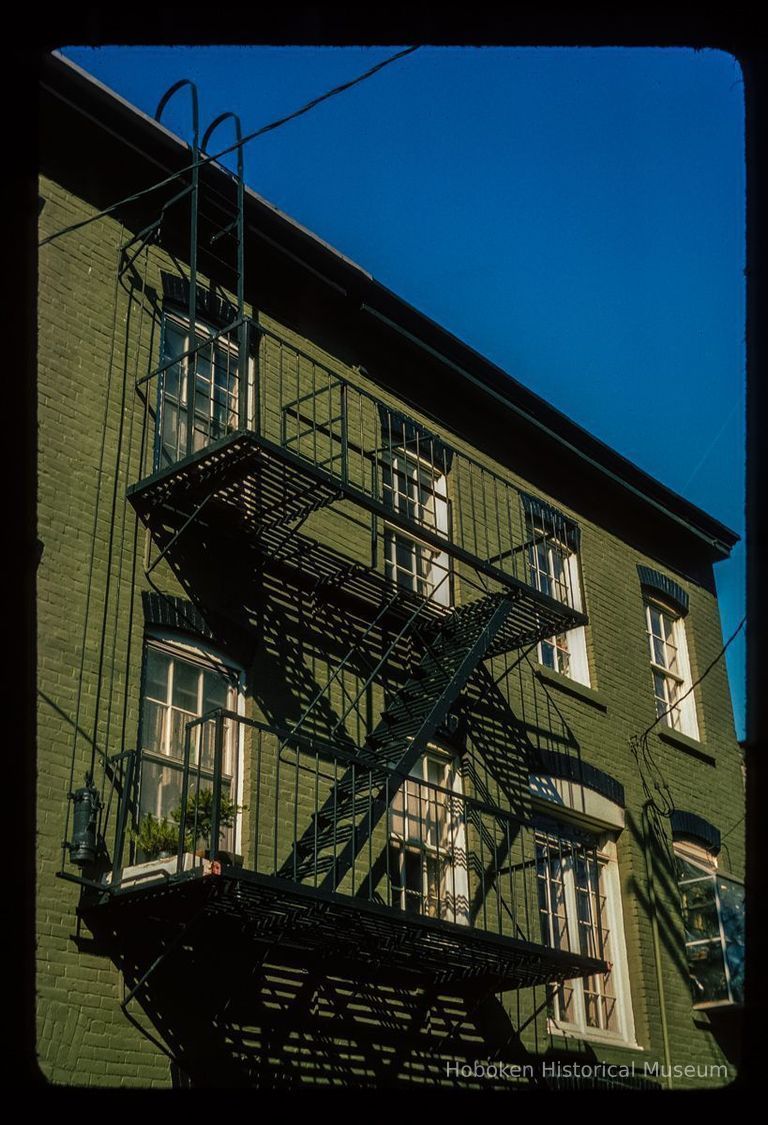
(432, 849)
(434, 503)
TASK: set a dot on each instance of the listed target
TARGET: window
(215, 399)
(713, 920)
(180, 684)
(417, 491)
(427, 852)
(670, 668)
(580, 911)
(553, 568)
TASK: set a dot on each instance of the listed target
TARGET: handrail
(370, 762)
(380, 457)
(262, 330)
(478, 865)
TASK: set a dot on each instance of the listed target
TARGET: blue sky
(577, 215)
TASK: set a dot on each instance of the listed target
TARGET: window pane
(208, 746)
(413, 881)
(657, 628)
(686, 869)
(660, 693)
(202, 364)
(405, 554)
(224, 370)
(185, 682)
(732, 919)
(172, 441)
(707, 968)
(179, 720)
(700, 916)
(172, 384)
(152, 726)
(397, 816)
(215, 691)
(552, 896)
(207, 741)
(610, 1012)
(160, 789)
(566, 1003)
(668, 623)
(156, 675)
(592, 1008)
(202, 403)
(175, 344)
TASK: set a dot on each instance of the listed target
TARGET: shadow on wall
(723, 1024)
(234, 1010)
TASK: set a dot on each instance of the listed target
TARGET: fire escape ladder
(404, 729)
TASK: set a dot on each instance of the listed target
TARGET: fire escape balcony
(446, 888)
(266, 468)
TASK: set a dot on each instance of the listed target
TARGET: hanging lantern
(83, 849)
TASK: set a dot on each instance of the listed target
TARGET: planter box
(157, 869)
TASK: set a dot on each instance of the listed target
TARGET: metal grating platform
(264, 494)
(362, 935)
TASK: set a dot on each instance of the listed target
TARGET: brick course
(93, 343)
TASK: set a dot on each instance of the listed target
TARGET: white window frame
(429, 573)
(176, 321)
(677, 708)
(207, 657)
(609, 886)
(569, 649)
(436, 833)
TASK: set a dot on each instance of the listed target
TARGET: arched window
(427, 841)
(579, 895)
(182, 681)
(416, 490)
(670, 667)
(203, 385)
(553, 568)
(666, 606)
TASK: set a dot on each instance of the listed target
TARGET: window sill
(571, 687)
(590, 1035)
(684, 742)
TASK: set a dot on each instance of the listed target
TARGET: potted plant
(199, 819)
(156, 839)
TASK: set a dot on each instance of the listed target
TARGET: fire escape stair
(340, 829)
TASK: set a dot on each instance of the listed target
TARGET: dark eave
(168, 154)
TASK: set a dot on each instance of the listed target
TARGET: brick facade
(95, 339)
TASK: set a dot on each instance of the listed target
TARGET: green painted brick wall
(95, 339)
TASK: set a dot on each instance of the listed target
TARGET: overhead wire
(276, 124)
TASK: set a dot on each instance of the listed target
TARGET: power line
(733, 827)
(233, 147)
(737, 405)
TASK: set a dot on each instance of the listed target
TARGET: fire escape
(239, 499)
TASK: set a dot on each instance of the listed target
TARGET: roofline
(399, 316)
